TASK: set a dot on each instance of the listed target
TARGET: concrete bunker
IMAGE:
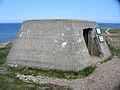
(58, 44)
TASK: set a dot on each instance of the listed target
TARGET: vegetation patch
(115, 50)
(10, 82)
(112, 31)
(3, 54)
(52, 73)
(115, 31)
(106, 59)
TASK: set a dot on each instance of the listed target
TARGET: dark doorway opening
(88, 38)
(91, 42)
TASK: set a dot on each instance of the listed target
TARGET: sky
(102, 11)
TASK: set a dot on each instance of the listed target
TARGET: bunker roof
(72, 22)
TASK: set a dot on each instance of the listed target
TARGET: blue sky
(106, 11)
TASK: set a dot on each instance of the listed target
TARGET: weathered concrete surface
(53, 44)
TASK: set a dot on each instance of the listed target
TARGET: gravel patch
(105, 77)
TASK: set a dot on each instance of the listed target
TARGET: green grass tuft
(3, 54)
(52, 73)
(87, 71)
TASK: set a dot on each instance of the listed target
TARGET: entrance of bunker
(91, 43)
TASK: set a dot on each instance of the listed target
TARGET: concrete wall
(51, 44)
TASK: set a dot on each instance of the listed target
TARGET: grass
(115, 50)
(10, 82)
(115, 31)
(112, 31)
(53, 73)
(3, 53)
(106, 59)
